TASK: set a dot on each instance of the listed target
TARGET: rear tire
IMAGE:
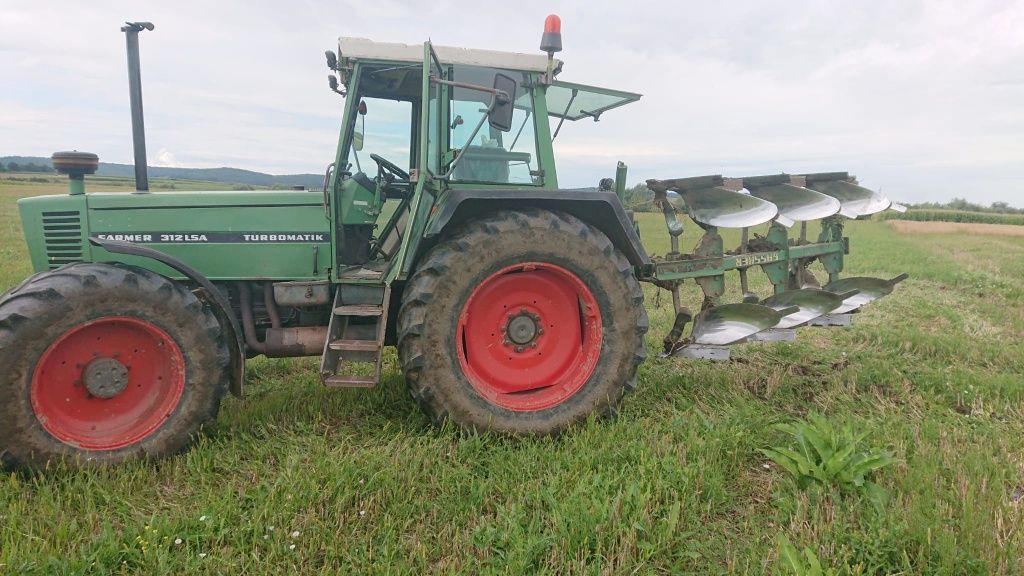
(523, 322)
(105, 362)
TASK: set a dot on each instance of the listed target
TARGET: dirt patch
(915, 227)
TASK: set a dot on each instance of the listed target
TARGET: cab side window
(492, 156)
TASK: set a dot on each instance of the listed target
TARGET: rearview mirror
(500, 116)
(357, 135)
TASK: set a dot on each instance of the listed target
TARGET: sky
(923, 100)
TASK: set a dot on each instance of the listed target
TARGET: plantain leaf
(839, 460)
(813, 564)
(873, 462)
(783, 460)
(821, 446)
(805, 446)
(787, 428)
(789, 559)
(877, 495)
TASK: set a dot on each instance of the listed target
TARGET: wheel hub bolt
(105, 378)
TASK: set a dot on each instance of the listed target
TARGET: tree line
(26, 167)
(964, 205)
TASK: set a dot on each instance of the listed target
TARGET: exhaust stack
(131, 34)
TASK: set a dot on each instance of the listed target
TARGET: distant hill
(229, 175)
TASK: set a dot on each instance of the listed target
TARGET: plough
(798, 299)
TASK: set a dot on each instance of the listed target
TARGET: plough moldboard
(799, 298)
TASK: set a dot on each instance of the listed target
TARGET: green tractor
(515, 305)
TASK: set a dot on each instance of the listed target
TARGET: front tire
(523, 322)
(105, 362)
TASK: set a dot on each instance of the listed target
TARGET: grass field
(300, 479)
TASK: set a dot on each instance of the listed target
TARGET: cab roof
(350, 49)
(565, 100)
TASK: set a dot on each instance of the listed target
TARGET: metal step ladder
(355, 336)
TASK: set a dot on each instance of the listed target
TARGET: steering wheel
(388, 166)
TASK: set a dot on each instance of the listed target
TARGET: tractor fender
(600, 209)
(219, 305)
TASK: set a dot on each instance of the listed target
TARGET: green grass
(674, 484)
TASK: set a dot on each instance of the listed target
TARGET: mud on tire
(434, 307)
(45, 320)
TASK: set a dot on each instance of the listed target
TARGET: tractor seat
(487, 164)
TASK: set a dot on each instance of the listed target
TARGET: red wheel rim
(529, 336)
(64, 390)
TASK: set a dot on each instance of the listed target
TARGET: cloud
(921, 98)
(166, 159)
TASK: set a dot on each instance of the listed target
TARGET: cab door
(426, 188)
(377, 151)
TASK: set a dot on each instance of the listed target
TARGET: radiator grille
(62, 234)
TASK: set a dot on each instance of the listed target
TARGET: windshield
(492, 156)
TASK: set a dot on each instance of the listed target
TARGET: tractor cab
(420, 121)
